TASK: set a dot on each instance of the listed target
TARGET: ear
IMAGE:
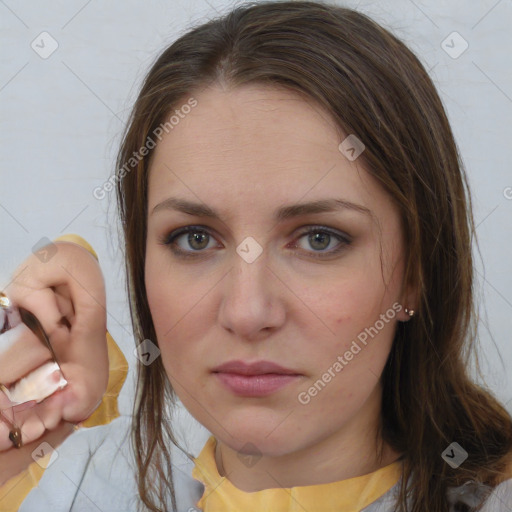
(409, 302)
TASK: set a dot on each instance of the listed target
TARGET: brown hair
(374, 87)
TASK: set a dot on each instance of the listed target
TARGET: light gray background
(62, 117)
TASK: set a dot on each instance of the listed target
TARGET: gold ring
(14, 432)
(15, 437)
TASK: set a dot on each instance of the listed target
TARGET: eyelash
(169, 240)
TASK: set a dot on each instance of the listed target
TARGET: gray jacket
(94, 471)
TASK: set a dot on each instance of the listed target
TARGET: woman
(319, 310)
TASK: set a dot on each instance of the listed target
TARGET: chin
(256, 438)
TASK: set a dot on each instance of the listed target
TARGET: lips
(257, 379)
(257, 368)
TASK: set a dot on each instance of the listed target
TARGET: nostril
(65, 322)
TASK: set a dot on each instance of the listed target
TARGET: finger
(31, 429)
(84, 392)
(5, 442)
(42, 303)
(13, 461)
(9, 427)
(64, 303)
(84, 361)
(74, 285)
(32, 423)
(6, 405)
(72, 267)
(49, 412)
(22, 352)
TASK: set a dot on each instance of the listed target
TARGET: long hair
(376, 88)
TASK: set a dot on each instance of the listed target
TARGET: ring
(15, 437)
(5, 312)
(5, 303)
(14, 432)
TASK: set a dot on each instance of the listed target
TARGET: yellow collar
(350, 495)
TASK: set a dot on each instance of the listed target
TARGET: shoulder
(500, 498)
(95, 469)
(470, 495)
(86, 471)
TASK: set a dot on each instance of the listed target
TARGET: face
(274, 321)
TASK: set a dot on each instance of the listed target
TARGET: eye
(192, 241)
(186, 241)
(320, 238)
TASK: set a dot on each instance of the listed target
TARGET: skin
(246, 152)
(14, 461)
(67, 295)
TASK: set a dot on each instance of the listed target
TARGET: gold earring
(410, 312)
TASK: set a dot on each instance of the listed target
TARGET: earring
(410, 312)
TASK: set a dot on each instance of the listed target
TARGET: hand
(67, 295)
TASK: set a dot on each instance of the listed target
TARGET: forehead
(254, 146)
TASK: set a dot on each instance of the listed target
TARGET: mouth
(257, 379)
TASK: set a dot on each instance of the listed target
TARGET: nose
(253, 300)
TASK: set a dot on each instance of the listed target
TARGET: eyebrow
(281, 214)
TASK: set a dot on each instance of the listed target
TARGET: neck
(352, 451)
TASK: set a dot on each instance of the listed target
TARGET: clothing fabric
(374, 492)
(343, 496)
(96, 472)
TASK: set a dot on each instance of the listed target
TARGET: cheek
(362, 324)
(349, 305)
(160, 292)
(167, 291)
(178, 315)
(157, 292)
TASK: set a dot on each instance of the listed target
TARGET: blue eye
(191, 241)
